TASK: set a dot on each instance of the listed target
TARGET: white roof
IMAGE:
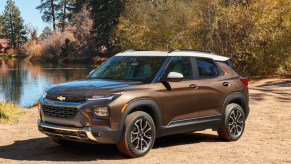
(174, 53)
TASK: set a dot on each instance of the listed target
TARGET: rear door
(212, 87)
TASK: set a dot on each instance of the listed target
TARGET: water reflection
(23, 82)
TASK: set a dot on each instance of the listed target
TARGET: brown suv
(137, 96)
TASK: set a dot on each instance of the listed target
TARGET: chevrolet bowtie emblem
(61, 98)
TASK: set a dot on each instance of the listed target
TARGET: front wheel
(138, 135)
(233, 123)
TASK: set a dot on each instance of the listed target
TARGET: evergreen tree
(78, 5)
(31, 31)
(49, 8)
(65, 13)
(13, 24)
(1, 27)
(46, 32)
(105, 14)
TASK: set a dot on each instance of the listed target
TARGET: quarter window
(181, 65)
(207, 68)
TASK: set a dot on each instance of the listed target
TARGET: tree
(157, 25)
(255, 34)
(46, 32)
(65, 13)
(1, 27)
(13, 24)
(105, 14)
(49, 9)
(81, 26)
(31, 31)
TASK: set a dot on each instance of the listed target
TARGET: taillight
(245, 81)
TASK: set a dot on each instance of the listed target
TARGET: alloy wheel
(141, 135)
(236, 122)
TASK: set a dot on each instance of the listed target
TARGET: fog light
(40, 128)
(101, 111)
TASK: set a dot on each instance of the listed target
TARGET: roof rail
(131, 50)
(177, 50)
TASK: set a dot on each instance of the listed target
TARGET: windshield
(131, 68)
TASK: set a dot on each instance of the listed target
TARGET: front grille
(54, 97)
(59, 112)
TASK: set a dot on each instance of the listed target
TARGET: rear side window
(228, 62)
(207, 68)
(181, 65)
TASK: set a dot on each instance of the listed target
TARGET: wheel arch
(238, 98)
(146, 105)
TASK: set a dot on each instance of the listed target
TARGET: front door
(182, 101)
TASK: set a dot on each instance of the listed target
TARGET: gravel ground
(267, 138)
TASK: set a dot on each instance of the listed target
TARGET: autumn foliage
(75, 43)
(255, 34)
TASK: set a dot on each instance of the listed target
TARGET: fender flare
(153, 107)
(236, 96)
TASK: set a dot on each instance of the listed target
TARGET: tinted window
(228, 62)
(132, 68)
(181, 65)
(207, 68)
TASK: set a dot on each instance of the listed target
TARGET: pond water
(24, 82)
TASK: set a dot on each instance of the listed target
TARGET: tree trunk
(12, 29)
(64, 16)
(53, 14)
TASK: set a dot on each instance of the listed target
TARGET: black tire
(233, 123)
(138, 135)
(60, 141)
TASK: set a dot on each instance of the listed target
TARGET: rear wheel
(138, 135)
(233, 123)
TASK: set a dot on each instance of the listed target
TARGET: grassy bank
(9, 112)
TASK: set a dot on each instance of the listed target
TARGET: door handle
(194, 86)
(226, 84)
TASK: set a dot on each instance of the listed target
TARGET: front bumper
(93, 134)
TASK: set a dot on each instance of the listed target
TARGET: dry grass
(9, 112)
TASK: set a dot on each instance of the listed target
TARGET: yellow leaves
(235, 29)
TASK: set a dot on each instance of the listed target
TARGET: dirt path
(267, 139)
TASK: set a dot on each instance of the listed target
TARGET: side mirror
(174, 77)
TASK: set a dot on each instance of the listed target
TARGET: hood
(91, 87)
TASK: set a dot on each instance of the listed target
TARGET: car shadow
(184, 139)
(44, 149)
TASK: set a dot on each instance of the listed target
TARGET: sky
(29, 13)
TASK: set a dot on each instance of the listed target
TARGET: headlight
(44, 94)
(103, 97)
(101, 111)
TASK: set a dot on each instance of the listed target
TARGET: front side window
(207, 68)
(130, 68)
(181, 65)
